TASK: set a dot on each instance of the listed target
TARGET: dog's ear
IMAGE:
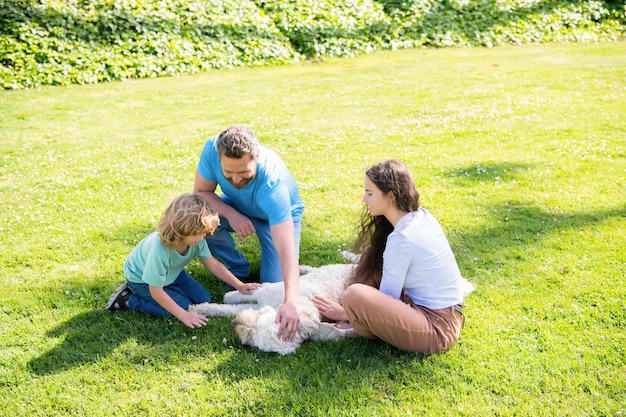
(244, 325)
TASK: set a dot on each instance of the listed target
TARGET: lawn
(518, 151)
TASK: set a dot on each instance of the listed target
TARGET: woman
(406, 288)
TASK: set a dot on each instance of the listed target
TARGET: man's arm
(287, 317)
(241, 224)
(206, 189)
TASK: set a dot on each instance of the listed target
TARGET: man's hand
(242, 225)
(289, 322)
(238, 222)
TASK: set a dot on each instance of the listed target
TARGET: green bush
(90, 41)
(443, 23)
(341, 28)
(102, 40)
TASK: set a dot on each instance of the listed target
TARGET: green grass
(518, 151)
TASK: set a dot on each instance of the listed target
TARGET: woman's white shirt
(418, 258)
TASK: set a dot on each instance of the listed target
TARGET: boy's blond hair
(187, 215)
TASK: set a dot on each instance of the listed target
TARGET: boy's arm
(191, 320)
(219, 270)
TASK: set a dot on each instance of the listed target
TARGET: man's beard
(242, 184)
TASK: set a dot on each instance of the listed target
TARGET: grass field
(518, 151)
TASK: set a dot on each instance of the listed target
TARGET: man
(259, 196)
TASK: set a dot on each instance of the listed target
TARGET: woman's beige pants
(414, 328)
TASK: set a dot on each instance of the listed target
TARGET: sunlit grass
(519, 152)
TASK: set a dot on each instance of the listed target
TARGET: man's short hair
(237, 141)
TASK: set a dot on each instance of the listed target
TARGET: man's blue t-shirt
(272, 195)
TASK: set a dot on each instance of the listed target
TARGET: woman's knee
(359, 295)
(355, 304)
(353, 293)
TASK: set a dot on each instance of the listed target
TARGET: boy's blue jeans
(222, 246)
(184, 291)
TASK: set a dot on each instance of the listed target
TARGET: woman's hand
(330, 309)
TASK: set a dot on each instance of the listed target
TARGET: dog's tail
(352, 258)
(468, 288)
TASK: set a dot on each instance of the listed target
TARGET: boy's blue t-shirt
(152, 263)
(272, 195)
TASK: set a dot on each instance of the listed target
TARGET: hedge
(52, 42)
(65, 42)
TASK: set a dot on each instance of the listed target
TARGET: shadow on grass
(513, 228)
(86, 337)
(96, 334)
(519, 235)
(323, 377)
(487, 172)
(319, 374)
(517, 229)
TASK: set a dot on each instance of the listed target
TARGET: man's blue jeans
(222, 246)
(184, 291)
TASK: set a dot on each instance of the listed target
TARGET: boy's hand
(193, 320)
(248, 288)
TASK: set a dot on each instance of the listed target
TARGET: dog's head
(258, 329)
(244, 325)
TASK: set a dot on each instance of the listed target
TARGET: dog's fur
(254, 323)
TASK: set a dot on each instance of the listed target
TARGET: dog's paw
(352, 258)
(199, 308)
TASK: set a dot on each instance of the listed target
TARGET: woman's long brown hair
(394, 177)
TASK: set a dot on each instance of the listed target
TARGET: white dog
(254, 323)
